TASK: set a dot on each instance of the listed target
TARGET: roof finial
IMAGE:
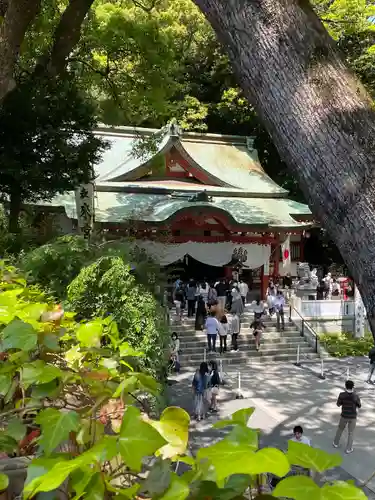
(174, 129)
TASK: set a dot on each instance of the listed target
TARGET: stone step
(264, 351)
(248, 335)
(192, 365)
(245, 344)
(244, 329)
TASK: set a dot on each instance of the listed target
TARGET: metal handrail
(304, 322)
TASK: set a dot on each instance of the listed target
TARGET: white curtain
(213, 254)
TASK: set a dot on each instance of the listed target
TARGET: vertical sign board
(359, 314)
(85, 208)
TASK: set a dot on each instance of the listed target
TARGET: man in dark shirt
(349, 402)
(371, 356)
(222, 290)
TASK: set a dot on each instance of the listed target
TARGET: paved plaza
(285, 395)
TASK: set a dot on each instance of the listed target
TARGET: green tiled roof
(226, 160)
(119, 207)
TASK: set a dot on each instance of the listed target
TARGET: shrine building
(201, 200)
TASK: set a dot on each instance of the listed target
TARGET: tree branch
(66, 36)
(19, 14)
(148, 8)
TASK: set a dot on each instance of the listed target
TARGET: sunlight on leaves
(174, 427)
(312, 458)
(298, 488)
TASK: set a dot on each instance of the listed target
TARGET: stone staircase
(275, 346)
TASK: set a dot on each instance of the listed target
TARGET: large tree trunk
(16, 17)
(66, 36)
(318, 114)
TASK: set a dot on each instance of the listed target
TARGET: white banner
(212, 254)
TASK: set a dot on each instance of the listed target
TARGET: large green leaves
(56, 426)
(178, 489)
(240, 417)
(89, 334)
(298, 488)
(16, 429)
(312, 458)
(38, 372)
(174, 427)
(138, 439)
(4, 482)
(5, 383)
(19, 335)
(341, 490)
(231, 456)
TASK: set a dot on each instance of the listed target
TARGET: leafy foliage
(46, 141)
(344, 344)
(54, 265)
(81, 406)
(108, 286)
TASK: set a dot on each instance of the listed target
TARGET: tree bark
(66, 36)
(317, 113)
(18, 15)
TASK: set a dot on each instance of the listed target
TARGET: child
(200, 386)
(258, 327)
(234, 326)
(214, 385)
(223, 332)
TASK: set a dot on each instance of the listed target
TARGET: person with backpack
(214, 385)
(200, 387)
(371, 356)
(349, 402)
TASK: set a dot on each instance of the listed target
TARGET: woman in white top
(203, 291)
(212, 328)
(258, 308)
(175, 347)
(271, 295)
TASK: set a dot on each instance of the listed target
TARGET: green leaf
(38, 372)
(240, 417)
(174, 427)
(5, 383)
(231, 457)
(95, 488)
(298, 488)
(56, 426)
(158, 479)
(312, 458)
(90, 430)
(126, 350)
(138, 439)
(49, 390)
(129, 384)
(341, 490)
(244, 435)
(7, 314)
(19, 335)
(16, 429)
(7, 443)
(90, 333)
(32, 311)
(128, 493)
(103, 451)
(4, 482)
(178, 489)
(52, 342)
(9, 298)
(148, 382)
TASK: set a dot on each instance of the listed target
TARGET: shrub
(344, 344)
(108, 286)
(56, 264)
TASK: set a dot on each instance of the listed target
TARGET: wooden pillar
(276, 256)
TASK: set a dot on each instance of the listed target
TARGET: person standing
(203, 290)
(212, 328)
(214, 385)
(271, 295)
(244, 290)
(201, 314)
(279, 304)
(371, 356)
(237, 304)
(298, 436)
(258, 308)
(349, 402)
(222, 290)
(234, 326)
(200, 387)
(179, 302)
(191, 297)
(212, 295)
(223, 332)
(257, 327)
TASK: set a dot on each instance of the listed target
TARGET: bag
(215, 379)
(215, 390)
(177, 366)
